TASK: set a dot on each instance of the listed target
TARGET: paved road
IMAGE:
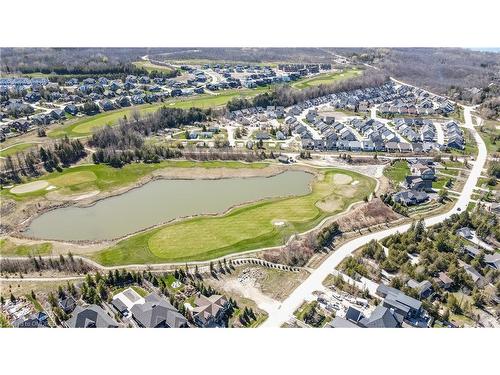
(285, 310)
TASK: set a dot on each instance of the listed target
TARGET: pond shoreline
(164, 174)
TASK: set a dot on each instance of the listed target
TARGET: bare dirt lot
(265, 286)
(366, 215)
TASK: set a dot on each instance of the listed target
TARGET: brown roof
(208, 306)
(445, 278)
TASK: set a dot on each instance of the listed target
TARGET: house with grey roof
(92, 316)
(423, 288)
(382, 317)
(156, 312)
(476, 277)
(492, 260)
(407, 306)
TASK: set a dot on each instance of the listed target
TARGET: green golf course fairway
(85, 126)
(102, 177)
(244, 228)
(325, 78)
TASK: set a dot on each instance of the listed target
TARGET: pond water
(160, 201)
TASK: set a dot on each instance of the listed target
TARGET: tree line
(62, 153)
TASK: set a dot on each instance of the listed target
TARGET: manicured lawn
(102, 177)
(140, 291)
(15, 149)
(397, 171)
(8, 248)
(440, 182)
(150, 67)
(452, 172)
(244, 228)
(85, 126)
(325, 78)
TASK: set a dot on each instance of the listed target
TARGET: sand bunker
(341, 179)
(329, 205)
(29, 187)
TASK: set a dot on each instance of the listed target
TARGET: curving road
(282, 313)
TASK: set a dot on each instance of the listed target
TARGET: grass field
(8, 248)
(244, 228)
(15, 149)
(325, 78)
(102, 177)
(490, 133)
(150, 67)
(85, 126)
(397, 172)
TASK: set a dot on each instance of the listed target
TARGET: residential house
(492, 260)
(92, 316)
(410, 197)
(156, 312)
(415, 183)
(67, 304)
(444, 281)
(405, 305)
(423, 288)
(464, 232)
(383, 317)
(477, 278)
(210, 311)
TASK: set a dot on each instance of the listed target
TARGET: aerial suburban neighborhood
(304, 188)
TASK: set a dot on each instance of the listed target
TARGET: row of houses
(416, 130)
(454, 136)
(415, 101)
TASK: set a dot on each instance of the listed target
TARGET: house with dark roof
(67, 304)
(407, 306)
(92, 316)
(410, 197)
(156, 312)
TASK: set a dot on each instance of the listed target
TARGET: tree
(478, 297)
(443, 195)
(52, 299)
(41, 132)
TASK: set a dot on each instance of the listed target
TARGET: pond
(161, 201)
